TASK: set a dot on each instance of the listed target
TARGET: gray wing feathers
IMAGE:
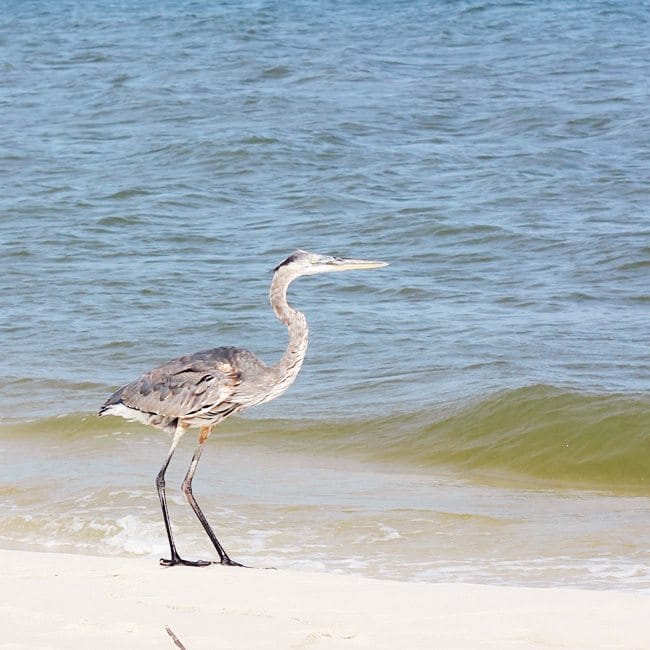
(185, 386)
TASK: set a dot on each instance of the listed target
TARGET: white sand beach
(51, 600)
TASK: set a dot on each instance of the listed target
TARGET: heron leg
(160, 485)
(187, 490)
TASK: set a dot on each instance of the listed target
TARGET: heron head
(304, 263)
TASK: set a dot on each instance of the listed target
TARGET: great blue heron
(201, 389)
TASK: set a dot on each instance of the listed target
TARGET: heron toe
(178, 560)
(229, 562)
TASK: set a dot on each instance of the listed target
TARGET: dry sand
(51, 600)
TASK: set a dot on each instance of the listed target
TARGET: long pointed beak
(346, 264)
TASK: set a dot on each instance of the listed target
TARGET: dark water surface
(478, 410)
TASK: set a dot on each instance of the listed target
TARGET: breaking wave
(536, 433)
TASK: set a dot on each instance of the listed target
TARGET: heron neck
(289, 365)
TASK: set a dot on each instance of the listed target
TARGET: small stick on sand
(175, 639)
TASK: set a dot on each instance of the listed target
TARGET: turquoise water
(159, 159)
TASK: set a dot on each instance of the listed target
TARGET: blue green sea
(478, 411)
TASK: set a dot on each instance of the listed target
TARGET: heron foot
(226, 561)
(178, 560)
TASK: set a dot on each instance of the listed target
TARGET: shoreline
(53, 600)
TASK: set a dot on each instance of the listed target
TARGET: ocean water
(477, 411)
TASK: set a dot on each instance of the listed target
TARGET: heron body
(201, 389)
(196, 390)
